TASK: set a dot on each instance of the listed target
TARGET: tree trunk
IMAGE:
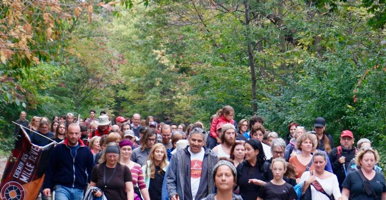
(251, 58)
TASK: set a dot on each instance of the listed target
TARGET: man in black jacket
(341, 156)
(70, 166)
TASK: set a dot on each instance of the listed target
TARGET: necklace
(105, 182)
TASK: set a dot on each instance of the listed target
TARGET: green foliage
(186, 59)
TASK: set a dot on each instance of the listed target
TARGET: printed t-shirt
(196, 160)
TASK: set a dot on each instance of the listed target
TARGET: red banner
(24, 173)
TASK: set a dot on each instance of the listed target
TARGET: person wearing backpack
(341, 156)
(365, 183)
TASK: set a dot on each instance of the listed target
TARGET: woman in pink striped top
(135, 169)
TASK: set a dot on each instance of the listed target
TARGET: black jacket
(69, 171)
(338, 168)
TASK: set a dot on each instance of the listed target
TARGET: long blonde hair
(163, 163)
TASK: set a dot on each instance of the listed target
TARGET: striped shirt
(137, 176)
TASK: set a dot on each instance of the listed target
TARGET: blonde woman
(34, 125)
(94, 145)
(155, 170)
(365, 183)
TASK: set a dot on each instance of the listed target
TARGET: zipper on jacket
(73, 165)
(73, 168)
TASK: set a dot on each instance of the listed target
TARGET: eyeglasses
(278, 152)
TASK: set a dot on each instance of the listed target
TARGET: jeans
(67, 193)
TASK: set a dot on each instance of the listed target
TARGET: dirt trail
(3, 162)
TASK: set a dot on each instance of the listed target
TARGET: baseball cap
(120, 119)
(129, 133)
(152, 124)
(347, 133)
(320, 122)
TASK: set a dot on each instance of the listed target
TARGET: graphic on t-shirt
(196, 168)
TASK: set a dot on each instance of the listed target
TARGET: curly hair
(305, 136)
(362, 152)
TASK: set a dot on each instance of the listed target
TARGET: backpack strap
(309, 165)
(319, 188)
(366, 184)
(338, 151)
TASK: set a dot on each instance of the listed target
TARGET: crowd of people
(130, 158)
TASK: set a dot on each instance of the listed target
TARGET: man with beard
(70, 164)
(104, 126)
(341, 156)
(228, 138)
(166, 134)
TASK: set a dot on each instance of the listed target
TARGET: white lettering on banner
(18, 170)
(27, 172)
(34, 153)
(24, 157)
(26, 165)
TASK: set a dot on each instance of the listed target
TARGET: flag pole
(33, 131)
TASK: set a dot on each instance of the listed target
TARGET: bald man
(136, 123)
(70, 164)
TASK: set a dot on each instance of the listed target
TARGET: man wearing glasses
(277, 148)
(147, 141)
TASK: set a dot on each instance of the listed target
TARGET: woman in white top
(323, 183)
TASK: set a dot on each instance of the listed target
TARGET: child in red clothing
(223, 116)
